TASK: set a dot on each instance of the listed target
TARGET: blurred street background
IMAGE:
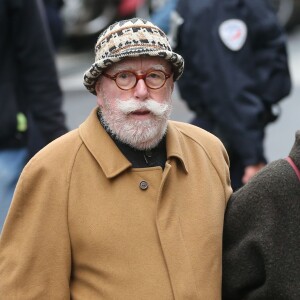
(78, 102)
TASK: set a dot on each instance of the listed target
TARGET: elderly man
(128, 206)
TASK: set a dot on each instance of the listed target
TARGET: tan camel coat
(85, 225)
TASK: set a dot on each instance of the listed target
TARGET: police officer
(236, 71)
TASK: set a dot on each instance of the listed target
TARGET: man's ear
(99, 92)
(98, 86)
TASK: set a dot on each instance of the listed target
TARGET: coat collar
(107, 154)
(176, 147)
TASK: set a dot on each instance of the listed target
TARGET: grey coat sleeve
(261, 241)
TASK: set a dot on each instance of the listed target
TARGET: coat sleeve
(260, 240)
(35, 251)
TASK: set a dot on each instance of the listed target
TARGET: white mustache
(131, 105)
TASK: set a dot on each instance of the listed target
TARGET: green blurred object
(21, 122)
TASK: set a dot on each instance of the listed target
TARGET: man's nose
(141, 91)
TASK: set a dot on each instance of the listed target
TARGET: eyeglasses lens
(155, 79)
(126, 80)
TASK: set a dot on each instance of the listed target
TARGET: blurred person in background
(261, 234)
(161, 15)
(131, 204)
(30, 97)
(55, 21)
(128, 8)
(236, 73)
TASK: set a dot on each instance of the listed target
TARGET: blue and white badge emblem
(233, 34)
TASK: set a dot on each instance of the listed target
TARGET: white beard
(139, 134)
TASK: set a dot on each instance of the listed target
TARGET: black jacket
(261, 258)
(234, 89)
(28, 77)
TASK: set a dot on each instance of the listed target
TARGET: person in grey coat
(261, 234)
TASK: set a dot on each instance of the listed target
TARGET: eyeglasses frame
(137, 77)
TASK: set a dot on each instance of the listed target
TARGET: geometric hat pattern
(130, 38)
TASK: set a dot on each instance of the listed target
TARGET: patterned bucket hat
(130, 38)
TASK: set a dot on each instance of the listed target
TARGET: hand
(250, 171)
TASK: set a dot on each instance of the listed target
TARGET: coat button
(143, 185)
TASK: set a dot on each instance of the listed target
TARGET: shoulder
(62, 145)
(191, 130)
(203, 147)
(197, 135)
(270, 183)
(276, 186)
(47, 176)
(58, 155)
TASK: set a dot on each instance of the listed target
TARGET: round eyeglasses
(126, 80)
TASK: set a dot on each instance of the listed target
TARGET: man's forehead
(140, 63)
